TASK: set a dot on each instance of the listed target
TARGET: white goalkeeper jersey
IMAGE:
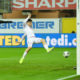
(28, 30)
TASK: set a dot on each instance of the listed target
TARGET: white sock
(25, 53)
(46, 46)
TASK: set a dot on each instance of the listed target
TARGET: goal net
(5, 6)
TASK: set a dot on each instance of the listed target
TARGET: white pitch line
(67, 77)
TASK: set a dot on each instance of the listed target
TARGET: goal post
(78, 37)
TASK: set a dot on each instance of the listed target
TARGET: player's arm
(22, 38)
(29, 16)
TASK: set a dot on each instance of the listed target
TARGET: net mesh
(5, 6)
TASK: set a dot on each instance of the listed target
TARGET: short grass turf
(74, 78)
(38, 64)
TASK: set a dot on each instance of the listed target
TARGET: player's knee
(29, 47)
(27, 50)
(42, 40)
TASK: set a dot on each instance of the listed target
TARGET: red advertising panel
(44, 4)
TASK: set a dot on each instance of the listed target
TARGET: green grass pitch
(38, 64)
(74, 78)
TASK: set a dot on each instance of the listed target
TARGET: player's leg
(30, 43)
(25, 53)
(46, 46)
(40, 40)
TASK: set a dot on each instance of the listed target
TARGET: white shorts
(33, 40)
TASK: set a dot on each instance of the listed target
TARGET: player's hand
(29, 14)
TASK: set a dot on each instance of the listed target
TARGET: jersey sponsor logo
(44, 4)
(36, 25)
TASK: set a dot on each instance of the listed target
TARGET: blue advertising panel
(56, 40)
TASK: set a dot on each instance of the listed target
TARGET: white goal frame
(78, 37)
